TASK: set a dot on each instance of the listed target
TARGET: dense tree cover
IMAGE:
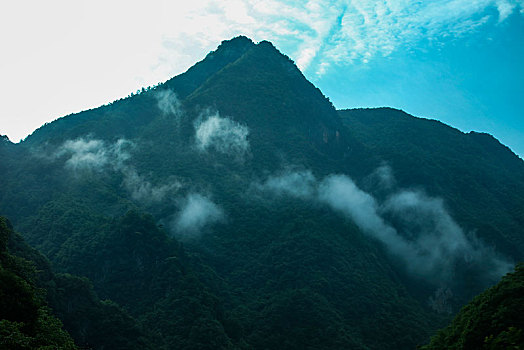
(25, 320)
(92, 323)
(271, 271)
(480, 179)
(492, 320)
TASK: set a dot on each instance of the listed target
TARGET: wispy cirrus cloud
(319, 34)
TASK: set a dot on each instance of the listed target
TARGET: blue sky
(472, 82)
(458, 61)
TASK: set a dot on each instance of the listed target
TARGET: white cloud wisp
(223, 135)
(415, 228)
(93, 155)
(197, 211)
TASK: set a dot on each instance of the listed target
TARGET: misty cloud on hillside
(92, 154)
(144, 191)
(414, 227)
(197, 212)
(382, 178)
(84, 154)
(343, 195)
(120, 151)
(440, 241)
(168, 102)
(97, 155)
(221, 134)
(301, 184)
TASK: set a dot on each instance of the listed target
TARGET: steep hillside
(126, 117)
(33, 296)
(25, 321)
(492, 320)
(274, 221)
(480, 179)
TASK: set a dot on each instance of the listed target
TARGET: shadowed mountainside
(233, 207)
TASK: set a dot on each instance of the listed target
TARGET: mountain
(29, 286)
(234, 207)
(479, 177)
(492, 320)
(25, 322)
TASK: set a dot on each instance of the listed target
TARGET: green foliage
(492, 320)
(512, 338)
(12, 337)
(25, 322)
(4, 236)
(92, 323)
(17, 298)
(480, 179)
(276, 272)
(48, 334)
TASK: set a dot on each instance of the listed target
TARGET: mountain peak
(228, 51)
(265, 90)
(238, 41)
(267, 44)
(232, 48)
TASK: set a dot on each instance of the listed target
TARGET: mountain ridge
(238, 187)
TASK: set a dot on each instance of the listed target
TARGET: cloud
(382, 178)
(506, 8)
(299, 184)
(316, 34)
(415, 228)
(440, 242)
(367, 29)
(97, 155)
(119, 152)
(84, 154)
(221, 134)
(197, 212)
(144, 191)
(341, 194)
(319, 34)
(168, 102)
(92, 154)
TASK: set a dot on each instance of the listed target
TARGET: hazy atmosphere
(253, 175)
(457, 61)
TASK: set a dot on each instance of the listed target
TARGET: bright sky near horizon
(458, 61)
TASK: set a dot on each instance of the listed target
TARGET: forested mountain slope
(273, 221)
(492, 320)
(33, 296)
(480, 179)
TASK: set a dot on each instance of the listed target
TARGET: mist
(381, 179)
(343, 195)
(223, 135)
(84, 154)
(92, 154)
(168, 102)
(415, 228)
(197, 211)
(301, 184)
(441, 243)
(120, 152)
(96, 155)
(143, 191)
